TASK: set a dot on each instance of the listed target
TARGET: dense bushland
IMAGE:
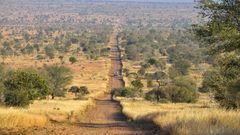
(220, 35)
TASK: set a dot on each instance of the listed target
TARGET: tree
(158, 95)
(160, 77)
(132, 52)
(28, 49)
(22, 87)
(152, 61)
(141, 71)
(220, 35)
(59, 77)
(61, 59)
(182, 66)
(173, 73)
(182, 90)
(82, 90)
(3, 54)
(72, 59)
(137, 84)
(49, 51)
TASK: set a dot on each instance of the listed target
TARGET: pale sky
(158, 0)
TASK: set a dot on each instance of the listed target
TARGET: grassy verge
(203, 117)
(41, 112)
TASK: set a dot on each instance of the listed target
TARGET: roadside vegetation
(38, 80)
(190, 77)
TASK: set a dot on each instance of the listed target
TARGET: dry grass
(93, 74)
(201, 118)
(41, 112)
(90, 73)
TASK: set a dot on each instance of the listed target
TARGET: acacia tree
(160, 77)
(59, 77)
(221, 35)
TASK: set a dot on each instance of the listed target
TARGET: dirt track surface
(106, 117)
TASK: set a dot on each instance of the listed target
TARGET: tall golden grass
(201, 118)
(41, 112)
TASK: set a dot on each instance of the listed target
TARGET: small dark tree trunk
(53, 96)
(158, 84)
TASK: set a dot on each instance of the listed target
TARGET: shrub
(182, 66)
(157, 95)
(126, 71)
(40, 57)
(74, 89)
(79, 91)
(83, 90)
(137, 84)
(72, 60)
(152, 61)
(210, 81)
(182, 90)
(123, 92)
(21, 87)
(149, 83)
(173, 73)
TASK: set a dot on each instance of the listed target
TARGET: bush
(182, 66)
(149, 83)
(157, 95)
(152, 61)
(182, 90)
(21, 87)
(123, 92)
(74, 89)
(72, 60)
(83, 90)
(210, 80)
(80, 92)
(40, 57)
(137, 84)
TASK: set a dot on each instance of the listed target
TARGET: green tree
(182, 90)
(182, 66)
(173, 73)
(82, 90)
(152, 61)
(137, 84)
(22, 87)
(160, 77)
(49, 51)
(221, 34)
(73, 59)
(59, 77)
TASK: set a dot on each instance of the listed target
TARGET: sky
(175, 1)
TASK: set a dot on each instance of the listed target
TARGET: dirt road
(106, 117)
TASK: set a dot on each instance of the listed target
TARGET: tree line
(22, 86)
